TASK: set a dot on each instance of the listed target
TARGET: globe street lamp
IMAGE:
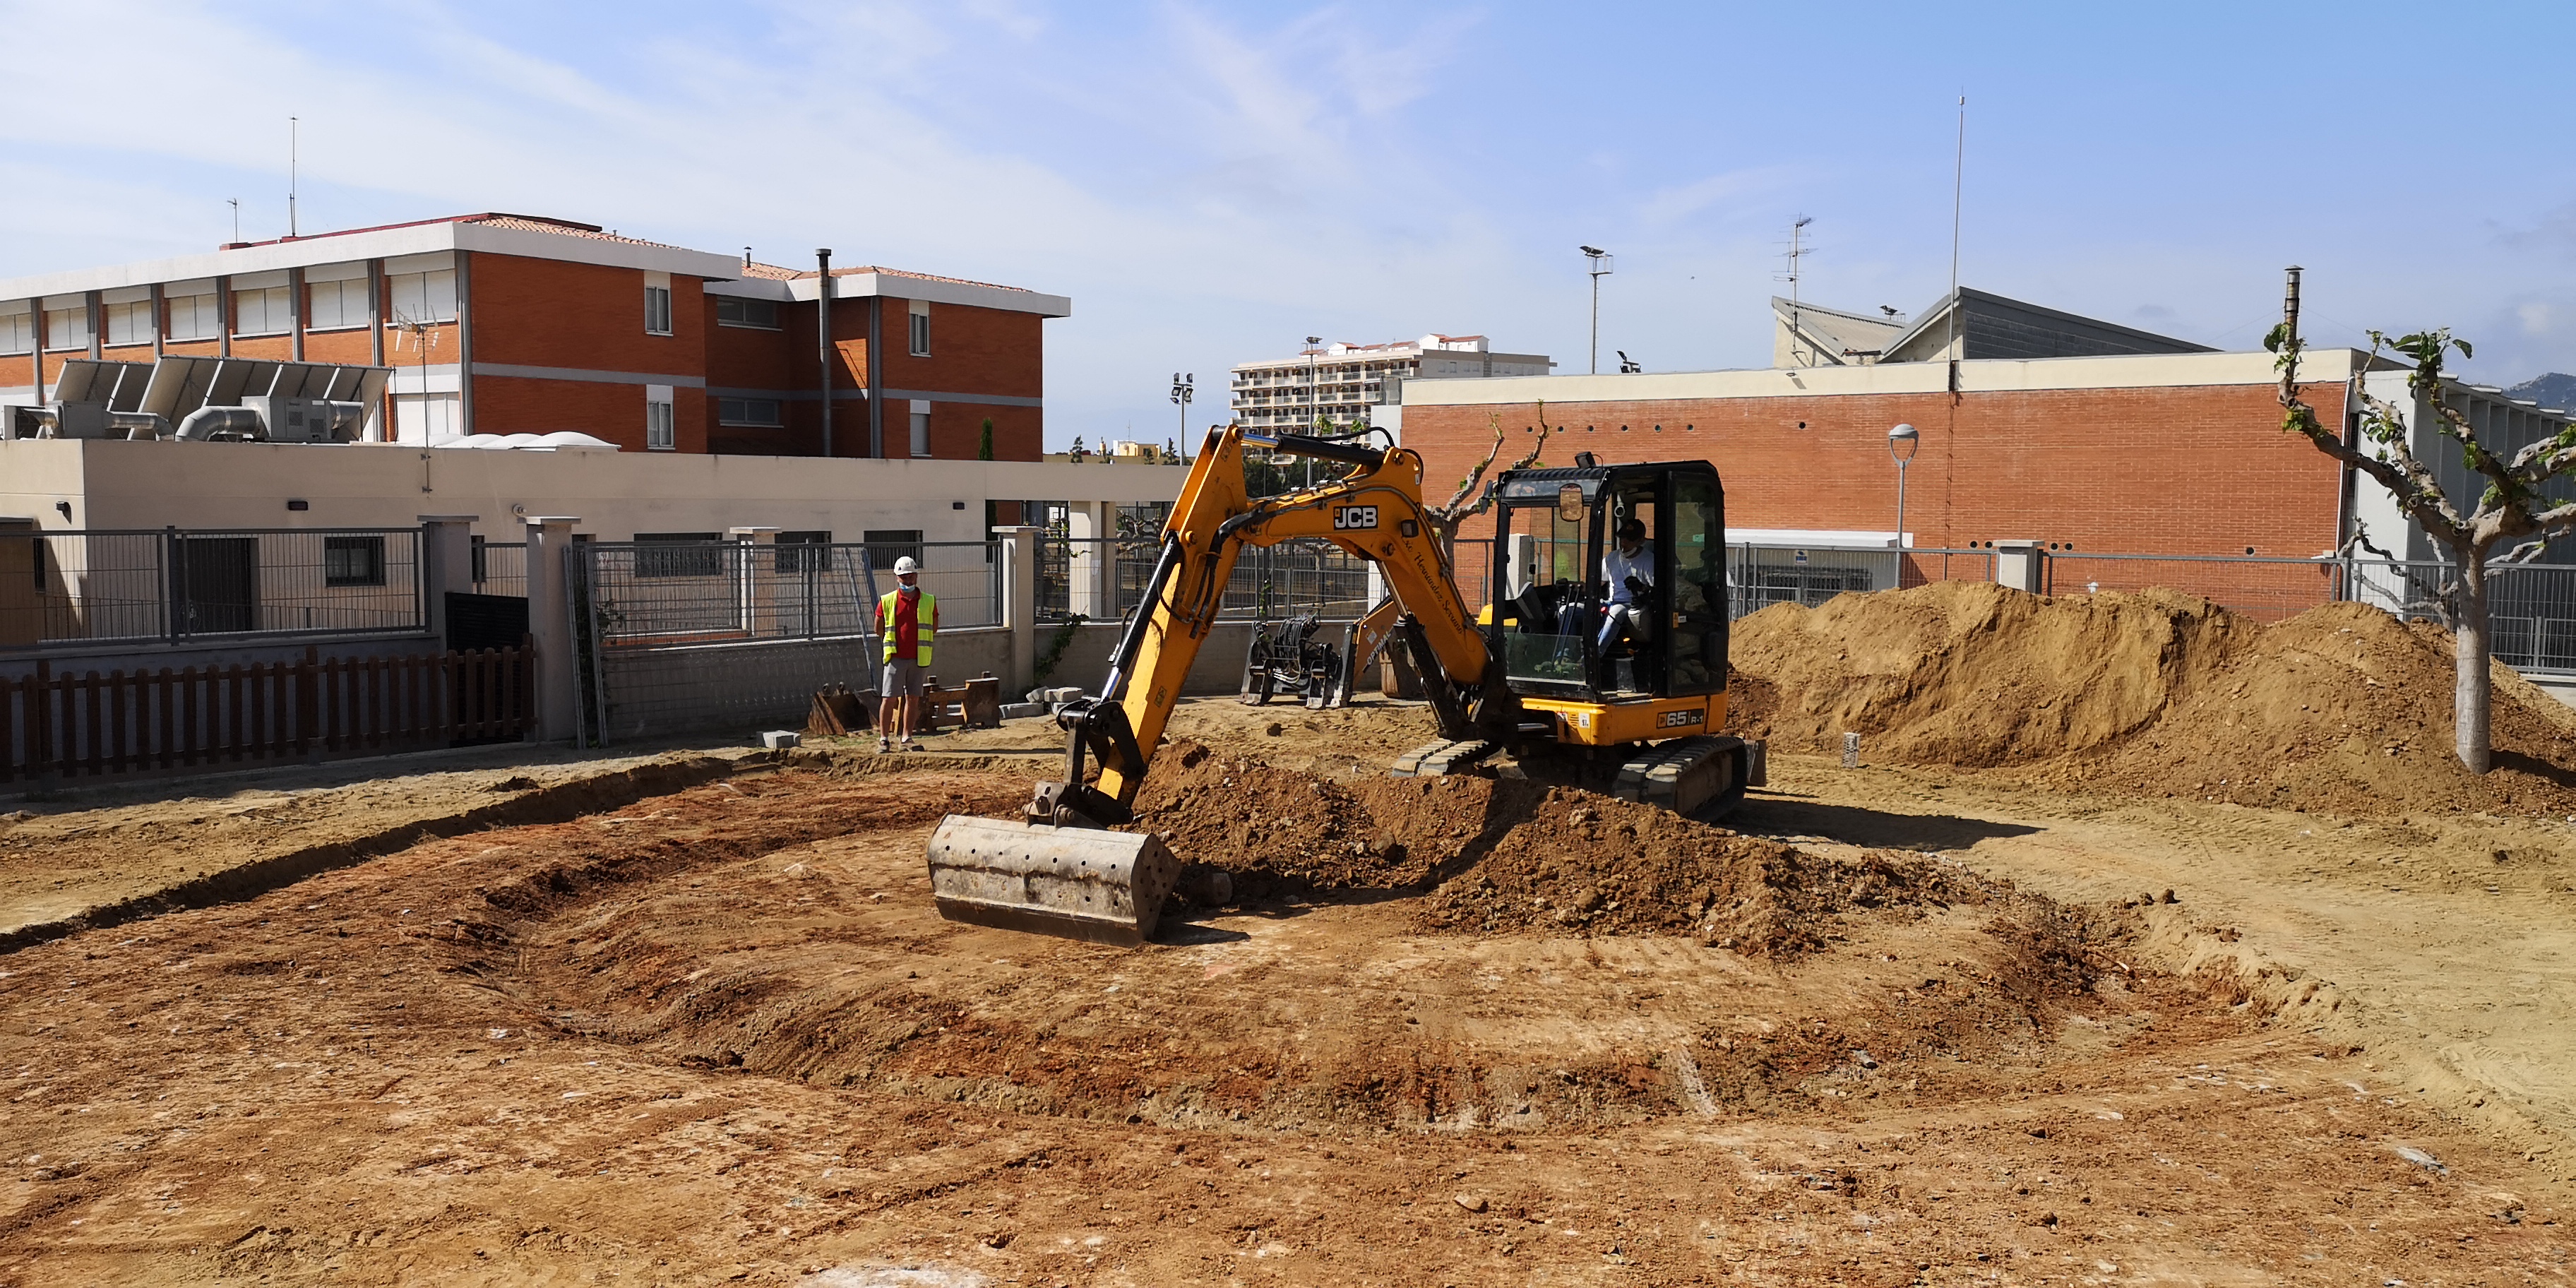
(1902, 442)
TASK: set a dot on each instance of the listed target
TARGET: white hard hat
(905, 565)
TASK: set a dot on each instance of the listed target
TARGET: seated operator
(1630, 570)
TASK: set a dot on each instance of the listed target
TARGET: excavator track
(1447, 756)
(1705, 775)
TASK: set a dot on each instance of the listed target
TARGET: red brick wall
(549, 313)
(2194, 470)
(511, 405)
(973, 351)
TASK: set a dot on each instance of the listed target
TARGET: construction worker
(908, 619)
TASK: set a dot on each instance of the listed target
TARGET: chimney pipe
(823, 334)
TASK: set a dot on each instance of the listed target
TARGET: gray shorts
(902, 679)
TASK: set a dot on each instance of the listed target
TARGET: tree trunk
(2471, 649)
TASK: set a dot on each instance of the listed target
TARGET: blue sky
(1212, 182)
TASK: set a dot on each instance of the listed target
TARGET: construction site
(2139, 942)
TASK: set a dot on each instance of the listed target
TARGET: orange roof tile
(779, 273)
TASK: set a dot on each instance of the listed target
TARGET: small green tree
(984, 444)
(1076, 454)
(2510, 509)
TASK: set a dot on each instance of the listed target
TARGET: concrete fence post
(759, 579)
(2022, 565)
(1019, 555)
(558, 672)
(446, 564)
(1092, 561)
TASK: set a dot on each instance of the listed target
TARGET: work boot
(884, 744)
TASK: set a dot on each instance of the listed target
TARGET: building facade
(1343, 382)
(500, 324)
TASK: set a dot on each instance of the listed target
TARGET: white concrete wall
(616, 494)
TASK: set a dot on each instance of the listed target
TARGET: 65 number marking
(1348, 518)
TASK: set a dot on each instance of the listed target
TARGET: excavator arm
(1053, 874)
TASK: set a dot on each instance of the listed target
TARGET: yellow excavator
(1621, 688)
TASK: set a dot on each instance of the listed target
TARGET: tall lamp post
(1314, 395)
(1902, 442)
(1600, 268)
(1182, 392)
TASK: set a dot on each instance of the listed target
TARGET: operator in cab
(1629, 569)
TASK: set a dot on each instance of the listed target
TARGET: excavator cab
(1609, 598)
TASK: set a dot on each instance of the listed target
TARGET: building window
(67, 328)
(422, 297)
(338, 305)
(425, 419)
(657, 310)
(18, 332)
(885, 545)
(266, 311)
(920, 426)
(130, 323)
(804, 552)
(734, 311)
(194, 317)
(680, 554)
(921, 328)
(482, 560)
(661, 420)
(749, 411)
(353, 561)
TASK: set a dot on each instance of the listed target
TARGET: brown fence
(91, 725)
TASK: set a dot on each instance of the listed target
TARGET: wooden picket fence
(88, 725)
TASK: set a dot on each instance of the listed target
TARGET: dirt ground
(719, 1033)
(101, 854)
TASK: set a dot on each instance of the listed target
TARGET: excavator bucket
(1077, 882)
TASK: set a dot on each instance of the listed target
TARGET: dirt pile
(2342, 708)
(1499, 855)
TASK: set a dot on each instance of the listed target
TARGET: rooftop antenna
(290, 176)
(236, 205)
(1958, 181)
(1798, 249)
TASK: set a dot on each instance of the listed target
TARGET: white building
(1343, 382)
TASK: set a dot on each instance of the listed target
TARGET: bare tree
(2510, 510)
(1466, 503)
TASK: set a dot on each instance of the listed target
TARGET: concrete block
(1023, 710)
(781, 739)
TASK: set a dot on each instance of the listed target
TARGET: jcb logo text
(1349, 518)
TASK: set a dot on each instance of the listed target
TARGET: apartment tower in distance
(1341, 382)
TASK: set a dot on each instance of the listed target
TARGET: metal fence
(76, 588)
(1104, 578)
(501, 568)
(676, 636)
(642, 593)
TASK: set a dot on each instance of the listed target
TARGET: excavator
(1533, 677)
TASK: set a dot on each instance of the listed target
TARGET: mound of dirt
(2342, 708)
(1502, 855)
(1975, 674)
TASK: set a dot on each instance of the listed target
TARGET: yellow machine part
(1609, 724)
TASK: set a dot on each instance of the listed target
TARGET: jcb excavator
(1631, 710)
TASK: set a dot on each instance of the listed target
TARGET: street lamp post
(1600, 268)
(1902, 442)
(1182, 391)
(1314, 395)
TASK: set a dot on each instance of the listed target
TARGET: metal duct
(206, 422)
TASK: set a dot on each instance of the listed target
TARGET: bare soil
(1907, 1023)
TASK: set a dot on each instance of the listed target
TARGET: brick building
(498, 324)
(2178, 454)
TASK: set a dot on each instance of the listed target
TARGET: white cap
(905, 565)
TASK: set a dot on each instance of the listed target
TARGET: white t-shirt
(1617, 568)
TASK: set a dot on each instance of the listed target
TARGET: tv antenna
(235, 202)
(290, 176)
(1798, 250)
